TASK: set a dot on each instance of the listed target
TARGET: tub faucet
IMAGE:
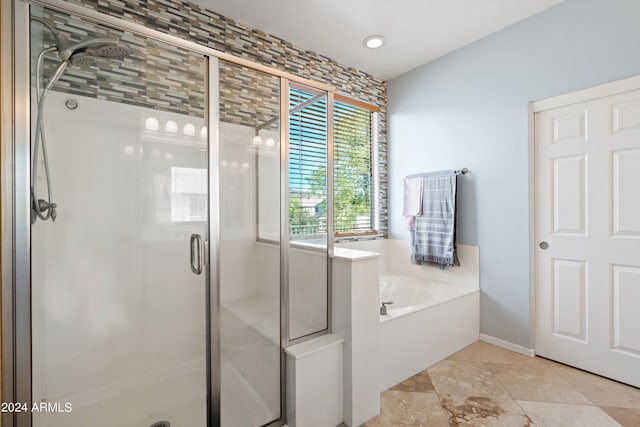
(383, 307)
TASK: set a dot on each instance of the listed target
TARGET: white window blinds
(307, 162)
(352, 169)
(353, 184)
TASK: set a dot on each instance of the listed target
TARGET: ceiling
(416, 31)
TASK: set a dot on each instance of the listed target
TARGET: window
(353, 146)
(354, 149)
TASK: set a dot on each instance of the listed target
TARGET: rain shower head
(97, 47)
(113, 50)
(84, 54)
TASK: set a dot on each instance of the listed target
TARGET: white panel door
(588, 235)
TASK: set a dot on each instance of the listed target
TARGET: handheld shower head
(82, 59)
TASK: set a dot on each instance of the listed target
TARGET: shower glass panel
(249, 162)
(118, 317)
(308, 256)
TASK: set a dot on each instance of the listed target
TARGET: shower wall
(237, 207)
(250, 217)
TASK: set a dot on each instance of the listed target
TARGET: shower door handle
(195, 246)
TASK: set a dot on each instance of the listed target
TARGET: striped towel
(435, 232)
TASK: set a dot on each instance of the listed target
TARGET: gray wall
(469, 109)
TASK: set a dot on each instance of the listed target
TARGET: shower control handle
(195, 246)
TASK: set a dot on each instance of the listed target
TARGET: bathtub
(428, 321)
(410, 294)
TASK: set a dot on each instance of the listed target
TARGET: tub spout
(383, 307)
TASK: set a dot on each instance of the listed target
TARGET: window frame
(374, 142)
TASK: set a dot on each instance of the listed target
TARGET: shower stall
(158, 272)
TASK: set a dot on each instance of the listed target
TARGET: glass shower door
(118, 314)
(250, 219)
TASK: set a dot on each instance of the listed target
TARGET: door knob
(544, 245)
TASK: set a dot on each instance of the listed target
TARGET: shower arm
(46, 24)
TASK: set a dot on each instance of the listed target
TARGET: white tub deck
(435, 312)
(416, 337)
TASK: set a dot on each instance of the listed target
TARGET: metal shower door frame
(17, 324)
(16, 350)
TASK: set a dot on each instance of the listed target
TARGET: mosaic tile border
(192, 22)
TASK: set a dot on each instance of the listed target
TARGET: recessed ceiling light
(374, 42)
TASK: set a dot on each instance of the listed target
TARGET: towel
(434, 241)
(412, 201)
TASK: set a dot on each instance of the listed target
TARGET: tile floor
(485, 385)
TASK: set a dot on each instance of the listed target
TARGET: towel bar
(462, 171)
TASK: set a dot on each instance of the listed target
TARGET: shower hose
(43, 209)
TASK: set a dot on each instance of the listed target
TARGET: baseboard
(508, 345)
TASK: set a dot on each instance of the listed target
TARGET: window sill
(357, 234)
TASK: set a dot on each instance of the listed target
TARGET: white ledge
(312, 346)
(353, 254)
